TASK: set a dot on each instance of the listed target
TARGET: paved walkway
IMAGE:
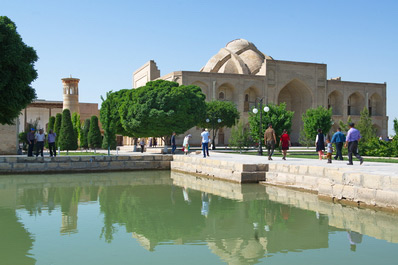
(390, 169)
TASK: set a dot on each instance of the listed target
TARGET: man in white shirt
(205, 142)
(40, 137)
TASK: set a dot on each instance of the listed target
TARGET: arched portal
(335, 101)
(355, 104)
(298, 98)
(375, 105)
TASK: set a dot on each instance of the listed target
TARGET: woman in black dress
(320, 143)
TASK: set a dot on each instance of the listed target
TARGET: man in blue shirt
(353, 137)
(338, 139)
(205, 142)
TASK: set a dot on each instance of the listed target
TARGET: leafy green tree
(67, 136)
(277, 115)
(223, 111)
(396, 126)
(344, 126)
(161, 107)
(314, 119)
(365, 126)
(84, 134)
(240, 137)
(108, 121)
(94, 134)
(115, 100)
(51, 123)
(57, 127)
(77, 126)
(16, 72)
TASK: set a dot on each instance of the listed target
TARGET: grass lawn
(315, 156)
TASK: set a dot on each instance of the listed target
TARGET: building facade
(240, 73)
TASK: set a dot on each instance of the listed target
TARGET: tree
(94, 134)
(108, 121)
(77, 126)
(57, 127)
(51, 123)
(223, 111)
(161, 107)
(365, 126)
(84, 134)
(314, 119)
(240, 137)
(16, 72)
(67, 137)
(396, 126)
(344, 126)
(277, 115)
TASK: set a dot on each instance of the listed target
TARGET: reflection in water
(240, 224)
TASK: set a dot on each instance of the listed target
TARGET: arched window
(221, 96)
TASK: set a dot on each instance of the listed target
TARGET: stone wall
(338, 183)
(24, 165)
(8, 142)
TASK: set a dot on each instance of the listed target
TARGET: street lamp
(213, 122)
(255, 111)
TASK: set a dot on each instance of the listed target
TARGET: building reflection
(242, 224)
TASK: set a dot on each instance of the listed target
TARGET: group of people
(185, 144)
(339, 139)
(270, 141)
(38, 139)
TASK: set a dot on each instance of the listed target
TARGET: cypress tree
(76, 125)
(57, 127)
(67, 137)
(51, 124)
(94, 134)
(84, 134)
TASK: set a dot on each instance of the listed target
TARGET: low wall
(338, 183)
(60, 164)
(219, 169)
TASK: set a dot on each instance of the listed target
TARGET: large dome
(238, 57)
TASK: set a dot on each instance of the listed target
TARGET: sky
(103, 42)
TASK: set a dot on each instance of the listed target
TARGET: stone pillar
(71, 94)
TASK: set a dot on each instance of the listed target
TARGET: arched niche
(204, 88)
(298, 98)
(335, 101)
(375, 105)
(355, 104)
(250, 96)
(227, 90)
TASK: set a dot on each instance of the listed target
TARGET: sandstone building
(241, 73)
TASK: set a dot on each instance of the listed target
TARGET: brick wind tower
(71, 94)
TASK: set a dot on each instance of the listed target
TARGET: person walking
(285, 143)
(173, 143)
(185, 144)
(142, 144)
(338, 139)
(51, 143)
(205, 142)
(30, 137)
(329, 153)
(270, 140)
(320, 143)
(353, 137)
(40, 137)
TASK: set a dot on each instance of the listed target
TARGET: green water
(161, 217)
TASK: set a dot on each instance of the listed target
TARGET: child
(329, 151)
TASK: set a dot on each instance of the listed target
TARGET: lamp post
(255, 111)
(213, 122)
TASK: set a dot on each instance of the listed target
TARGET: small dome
(238, 57)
